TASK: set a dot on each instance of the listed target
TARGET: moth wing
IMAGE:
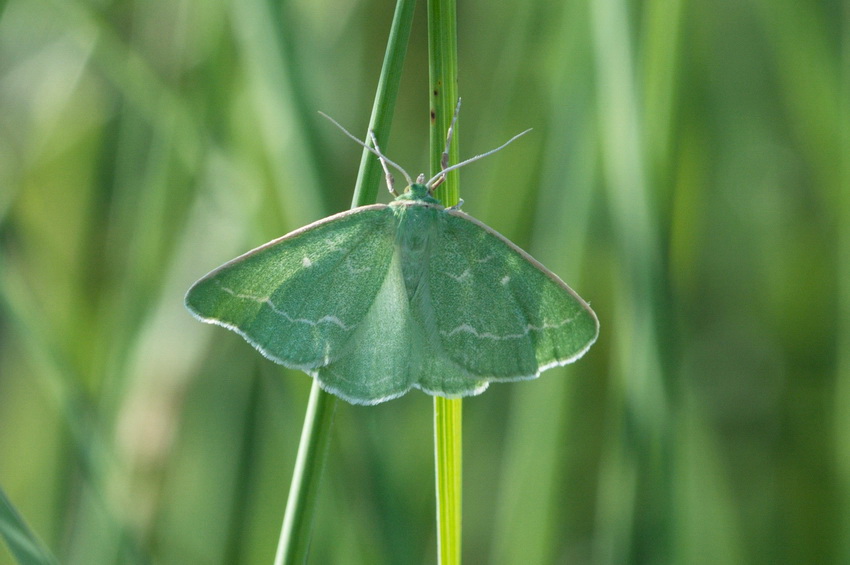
(376, 365)
(499, 313)
(300, 298)
(397, 347)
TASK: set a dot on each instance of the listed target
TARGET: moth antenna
(387, 174)
(373, 150)
(476, 158)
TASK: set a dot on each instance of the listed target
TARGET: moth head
(419, 190)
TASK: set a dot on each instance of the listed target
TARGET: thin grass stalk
(448, 450)
(293, 545)
(22, 542)
(842, 395)
(370, 174)
(443, 70)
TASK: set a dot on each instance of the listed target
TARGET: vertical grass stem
(442, 63)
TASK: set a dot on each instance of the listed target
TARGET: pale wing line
(529, 258)
(459, 278)
(329, 319)
(309, 367)
(487, 335)
(551, 275)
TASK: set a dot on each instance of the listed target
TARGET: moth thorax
(414, 244)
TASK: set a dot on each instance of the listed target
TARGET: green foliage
(687, 174)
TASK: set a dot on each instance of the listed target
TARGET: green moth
(379, 299)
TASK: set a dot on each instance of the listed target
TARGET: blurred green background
(688, 173)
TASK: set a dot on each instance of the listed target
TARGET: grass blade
(22, 542)
(448, 447)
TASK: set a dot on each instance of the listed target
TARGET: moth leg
(457, 206)
(444, 161)
(440, 180)
(387, 174)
